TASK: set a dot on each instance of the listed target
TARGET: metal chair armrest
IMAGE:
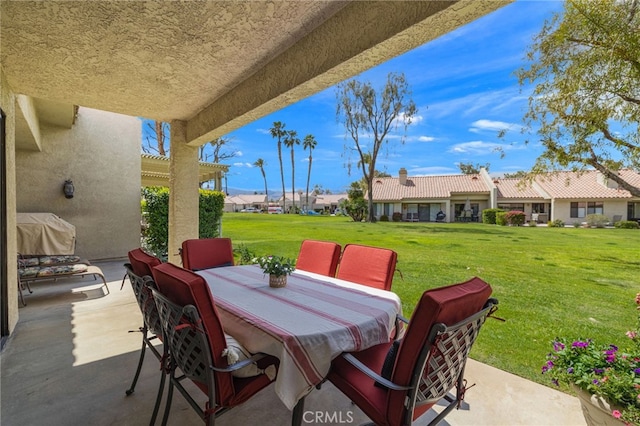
(240, 364)
(372, 374)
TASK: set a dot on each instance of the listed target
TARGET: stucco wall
(562, 210)
(101, 155)
(7, 103)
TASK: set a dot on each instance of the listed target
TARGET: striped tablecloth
(305, 324)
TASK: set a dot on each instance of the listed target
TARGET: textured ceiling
(165, 60)
(216, 65)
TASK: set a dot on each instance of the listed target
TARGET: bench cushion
(47, 271)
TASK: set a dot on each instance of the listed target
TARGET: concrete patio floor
(71, 358)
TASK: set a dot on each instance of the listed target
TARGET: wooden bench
(41, 268)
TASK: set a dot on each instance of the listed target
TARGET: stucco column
(183, 191)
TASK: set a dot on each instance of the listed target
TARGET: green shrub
(211, 204)
(500, 218)
(156, 220)
(397, 217)
(596, 220)
(384, 218)
(577, 224)
(555, 223)
(489, 216)
(243, 255)
(515, 218)
(627, 224)
(155, 211)
(533, 223)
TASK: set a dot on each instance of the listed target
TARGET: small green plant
(577, 224)
(555, 223)
(533, 223)
(596, 220)
(243, 255)
(275, 265)
(627, 224)
(384, 218)
(396, 217)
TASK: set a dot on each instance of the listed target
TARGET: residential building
(566, 196)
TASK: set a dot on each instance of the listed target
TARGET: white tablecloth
(305, 324)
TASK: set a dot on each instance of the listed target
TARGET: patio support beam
(183, 191)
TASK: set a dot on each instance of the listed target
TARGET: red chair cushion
(359, 387)
(320, 257)
(448, 305)
(206, 253)
(142, 263)
(372, 266)
(184, 287)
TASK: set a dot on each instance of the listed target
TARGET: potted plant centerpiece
(606, 377)
(277, 267)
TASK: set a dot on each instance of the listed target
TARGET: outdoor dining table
(305, 324)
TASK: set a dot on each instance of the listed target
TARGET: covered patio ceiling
(215, 65)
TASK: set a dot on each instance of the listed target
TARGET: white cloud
(400, 120)
(243, 165)
(434, 170)
(493, 126)
(477, 147)
(239, 153)
(426, 139)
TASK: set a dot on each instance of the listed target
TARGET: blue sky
(464, 86)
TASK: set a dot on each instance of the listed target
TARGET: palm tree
(260, 163)
(290, 141)
(277, 131)
(309, 142)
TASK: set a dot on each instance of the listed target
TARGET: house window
(387, 209)
(582, 208)
(512, 207)
(596, 207)
(538, 208)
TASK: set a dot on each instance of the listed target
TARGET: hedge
(489, 216)
(155, 213)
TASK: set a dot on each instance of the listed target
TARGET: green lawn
(550, 281)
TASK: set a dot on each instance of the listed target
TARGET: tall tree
(290, 141)
(585, 63)
(472, 169)
(221, 150)
(260, 163)
(156, 137)
(309, 143)
(371, 116)
(278, 132)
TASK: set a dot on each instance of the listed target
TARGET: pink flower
(616, 414)
(631, 334)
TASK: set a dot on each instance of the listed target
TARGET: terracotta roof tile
(586, 185)
(420, 187)
(511, 188)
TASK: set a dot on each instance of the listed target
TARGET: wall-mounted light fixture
(68, 188)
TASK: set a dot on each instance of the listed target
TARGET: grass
(550, 282)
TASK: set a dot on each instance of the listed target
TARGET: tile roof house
(567, 196)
